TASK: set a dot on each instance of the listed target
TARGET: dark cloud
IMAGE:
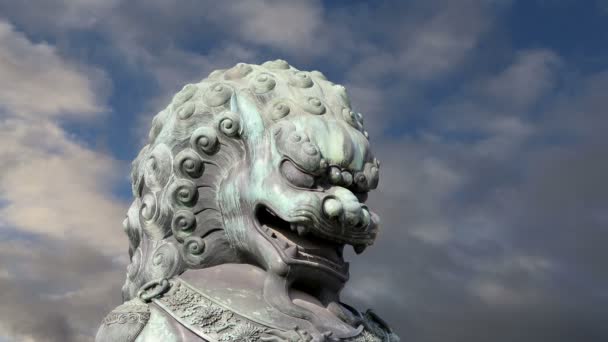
(510, 248)
(54, 290)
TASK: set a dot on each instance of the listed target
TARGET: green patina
(253, 135)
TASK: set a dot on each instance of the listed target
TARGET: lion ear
(249, 112)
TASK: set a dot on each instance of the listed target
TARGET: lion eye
(295, 176)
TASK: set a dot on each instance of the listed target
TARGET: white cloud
(36, 80)
(49, 183)
(433, 232)
(4, 274)
(528, 78)
(292, 26)
(492, 283)
(54, 186)
(427, 45)
(444, 41)
(497, 294)
(410, 168)
(494, 109)
(505, 135)
(373, 285)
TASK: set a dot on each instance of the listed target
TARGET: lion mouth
(298, 242)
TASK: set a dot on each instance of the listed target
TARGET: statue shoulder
(125, 322)
(374, 328)
(378, 326)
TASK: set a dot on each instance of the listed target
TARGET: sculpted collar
(226, 304)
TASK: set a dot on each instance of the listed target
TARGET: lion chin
(252, 183)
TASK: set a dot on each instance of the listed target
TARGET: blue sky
(489, 117)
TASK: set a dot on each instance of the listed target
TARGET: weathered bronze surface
(250, 186)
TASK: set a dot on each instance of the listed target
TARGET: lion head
(260, 164)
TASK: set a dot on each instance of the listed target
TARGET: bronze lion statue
(252, 183)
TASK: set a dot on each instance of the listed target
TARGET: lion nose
(344, 206)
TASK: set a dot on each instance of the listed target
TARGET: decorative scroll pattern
(211, 320)
(126, 317)
(124, 323)
(129, 312)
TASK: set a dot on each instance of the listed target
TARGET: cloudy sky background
(489, 117)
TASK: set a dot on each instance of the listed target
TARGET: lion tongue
(311, 244)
